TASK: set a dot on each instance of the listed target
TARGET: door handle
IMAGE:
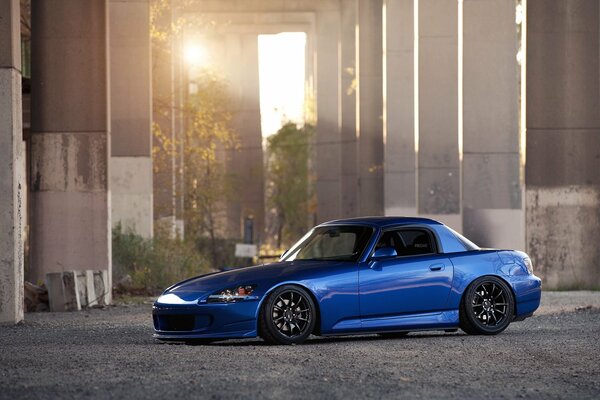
(436, 267)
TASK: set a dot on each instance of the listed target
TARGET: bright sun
(194, 55)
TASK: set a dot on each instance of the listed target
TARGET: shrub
(153, 264)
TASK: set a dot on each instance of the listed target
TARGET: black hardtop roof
(382, 222)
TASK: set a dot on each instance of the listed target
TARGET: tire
(487, 307)
(393, 335)
(288, 316)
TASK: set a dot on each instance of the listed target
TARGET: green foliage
(207, 140)
(153, 264)
(290, 191)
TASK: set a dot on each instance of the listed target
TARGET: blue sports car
(386, 275)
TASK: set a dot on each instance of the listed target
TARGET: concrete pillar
(438, 193)
(131, 115)
(328, 161)
(349, 179)
(369, 98)
(70, 138)
(563, 142)
(245, 164)
(492, 206)
(12, 166)
(398, 108)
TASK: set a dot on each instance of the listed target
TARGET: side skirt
(440, 320)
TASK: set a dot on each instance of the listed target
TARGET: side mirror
(384, 252)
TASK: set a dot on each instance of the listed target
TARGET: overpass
(483, 114)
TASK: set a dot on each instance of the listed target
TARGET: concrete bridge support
(347, 94)
(492, 185)
(399, 108)
(12, 166)
(245, 164)
(328, 162)
(438, 164)
(131, 115)
(70, 138)
(563, 141)
(369, 107)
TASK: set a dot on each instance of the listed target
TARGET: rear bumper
(205, 321)
(528, 292)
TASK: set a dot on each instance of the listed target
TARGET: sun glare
(194, 54)
(282, 79)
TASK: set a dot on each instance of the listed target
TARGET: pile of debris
(36, 298)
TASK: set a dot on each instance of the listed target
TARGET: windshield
(335, 243)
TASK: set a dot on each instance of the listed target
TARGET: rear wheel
(487, 307)
(288, 316)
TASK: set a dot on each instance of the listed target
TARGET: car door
(417, 280)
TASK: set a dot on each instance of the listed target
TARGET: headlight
(232, 295)
(528, 265)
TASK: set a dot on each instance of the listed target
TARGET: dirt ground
(110, 353)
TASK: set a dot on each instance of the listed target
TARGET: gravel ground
(110, 353)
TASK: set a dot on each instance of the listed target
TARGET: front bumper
(205, 321)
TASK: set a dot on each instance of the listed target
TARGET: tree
(290, 190)
(208, 186)
(207, 135)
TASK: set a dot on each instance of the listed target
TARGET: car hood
(264, 276)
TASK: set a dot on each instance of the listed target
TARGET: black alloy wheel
(288, 316)
(487, 307)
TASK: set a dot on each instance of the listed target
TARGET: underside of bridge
(483, 114)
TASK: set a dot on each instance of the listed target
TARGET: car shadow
(318, 340)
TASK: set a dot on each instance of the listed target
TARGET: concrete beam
(369, 98)
(328, 162)
(131, 115)
(236, 57)
(563, 142)
(398, 108)
(438, 153)
(12, 166)
(492, 202)
(349, 179)
(70, 138)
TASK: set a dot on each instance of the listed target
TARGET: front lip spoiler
(170, 336)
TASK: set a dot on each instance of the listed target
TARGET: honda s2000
(386, 275)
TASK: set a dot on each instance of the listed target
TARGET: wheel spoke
(291, 314)
(492, 308)
(484, 289)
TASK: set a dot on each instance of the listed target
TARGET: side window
(407, 242)
(417, 242)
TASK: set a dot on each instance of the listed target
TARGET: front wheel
(487, 307)
(288, 316)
